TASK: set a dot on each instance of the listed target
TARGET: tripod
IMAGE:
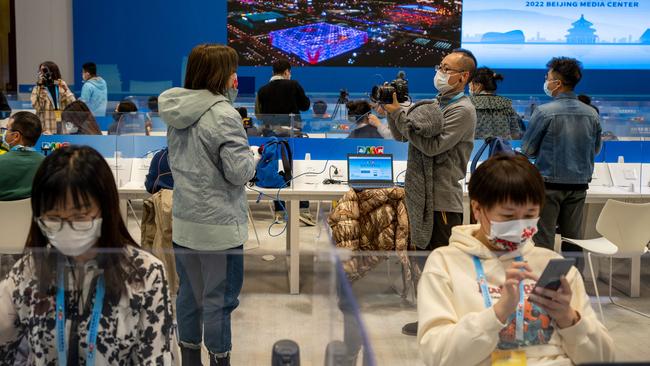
(343, 99)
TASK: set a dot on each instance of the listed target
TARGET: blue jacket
(211, 162)
(160, 174)
(564, 136)
(95, 94)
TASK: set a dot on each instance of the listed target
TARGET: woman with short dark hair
(84, 293)
(50, 96)
(211, 163)
(470, 291)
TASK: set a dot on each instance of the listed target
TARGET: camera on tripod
(384, 93)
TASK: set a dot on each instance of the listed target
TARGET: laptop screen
(370, 168)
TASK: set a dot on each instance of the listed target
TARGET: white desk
(311, 188)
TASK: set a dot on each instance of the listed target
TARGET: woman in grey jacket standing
(211, 162)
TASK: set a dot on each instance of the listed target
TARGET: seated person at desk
(18, 166)
(154, 122)
(81, 267)
(249, 125)
(79, 120)
(469, 291)
(127, 120)
(367, 125)
(5, 109)
(320, 110)
(160, 174)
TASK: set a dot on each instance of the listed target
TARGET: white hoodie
(456, 329)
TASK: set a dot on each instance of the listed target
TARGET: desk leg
(124, 210)
(293, 246)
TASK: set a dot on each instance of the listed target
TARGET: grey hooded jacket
(211, 162)
(441, 138)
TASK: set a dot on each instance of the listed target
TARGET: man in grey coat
(439, 150)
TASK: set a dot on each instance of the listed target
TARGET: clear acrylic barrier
(318, 320)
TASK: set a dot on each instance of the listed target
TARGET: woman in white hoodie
(461, 326)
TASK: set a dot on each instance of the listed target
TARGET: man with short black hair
(19, 165)
(94, 92)
(276, 101)
(280, 98)
(440, 134)
(564, 137)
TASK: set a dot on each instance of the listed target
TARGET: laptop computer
(367, 171)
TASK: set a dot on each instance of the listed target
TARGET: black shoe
(190, 356)
(410, 329)
(219, 361)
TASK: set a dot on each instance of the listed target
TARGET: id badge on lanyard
(93, 325)
(504, 357)
(56, 102)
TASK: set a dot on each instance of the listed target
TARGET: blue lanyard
(487, 300)
(453, 100)
(22, 148)
(56, 92)
(94, 320)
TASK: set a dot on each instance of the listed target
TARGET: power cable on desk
(277, 198)
(397, 182)
(331, 180)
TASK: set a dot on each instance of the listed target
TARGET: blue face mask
(231, 94)
(4, 139)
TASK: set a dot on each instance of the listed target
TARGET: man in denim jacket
(564, 137)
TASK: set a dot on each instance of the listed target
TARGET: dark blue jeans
(208, 293)
(279, 207)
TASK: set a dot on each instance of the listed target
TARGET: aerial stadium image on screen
(345, 32)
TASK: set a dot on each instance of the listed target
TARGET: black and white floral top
(137, 330)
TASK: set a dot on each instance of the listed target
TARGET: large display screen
(526, 34)
(344, 32)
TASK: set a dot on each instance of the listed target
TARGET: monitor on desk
(369, 169)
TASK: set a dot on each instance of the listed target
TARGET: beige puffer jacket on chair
(373, 220)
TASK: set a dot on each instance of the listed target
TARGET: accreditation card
(512, 357)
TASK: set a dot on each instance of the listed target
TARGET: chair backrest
(625, 225)
(16, 219)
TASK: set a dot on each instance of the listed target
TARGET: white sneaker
(279, 218)
(307, 219)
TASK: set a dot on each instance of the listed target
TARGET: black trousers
(443, 222)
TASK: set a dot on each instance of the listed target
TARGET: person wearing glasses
(19, 164)
(438, 155)
(564, 136)
(84, 293)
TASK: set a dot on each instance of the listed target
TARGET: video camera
(46, 77)
(384, 93)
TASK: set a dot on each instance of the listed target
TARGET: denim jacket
(564, 136)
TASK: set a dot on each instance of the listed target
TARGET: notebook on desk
(370, 171)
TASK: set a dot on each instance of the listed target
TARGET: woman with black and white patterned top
(83, 293)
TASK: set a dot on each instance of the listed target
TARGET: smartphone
(555, 269)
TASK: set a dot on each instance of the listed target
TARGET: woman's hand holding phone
(557, 303)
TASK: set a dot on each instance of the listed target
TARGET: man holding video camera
(441, 138)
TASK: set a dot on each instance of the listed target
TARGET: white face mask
(547, 89)
(71, 128)
(73, 243)
(509, 235)
(441, 82)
